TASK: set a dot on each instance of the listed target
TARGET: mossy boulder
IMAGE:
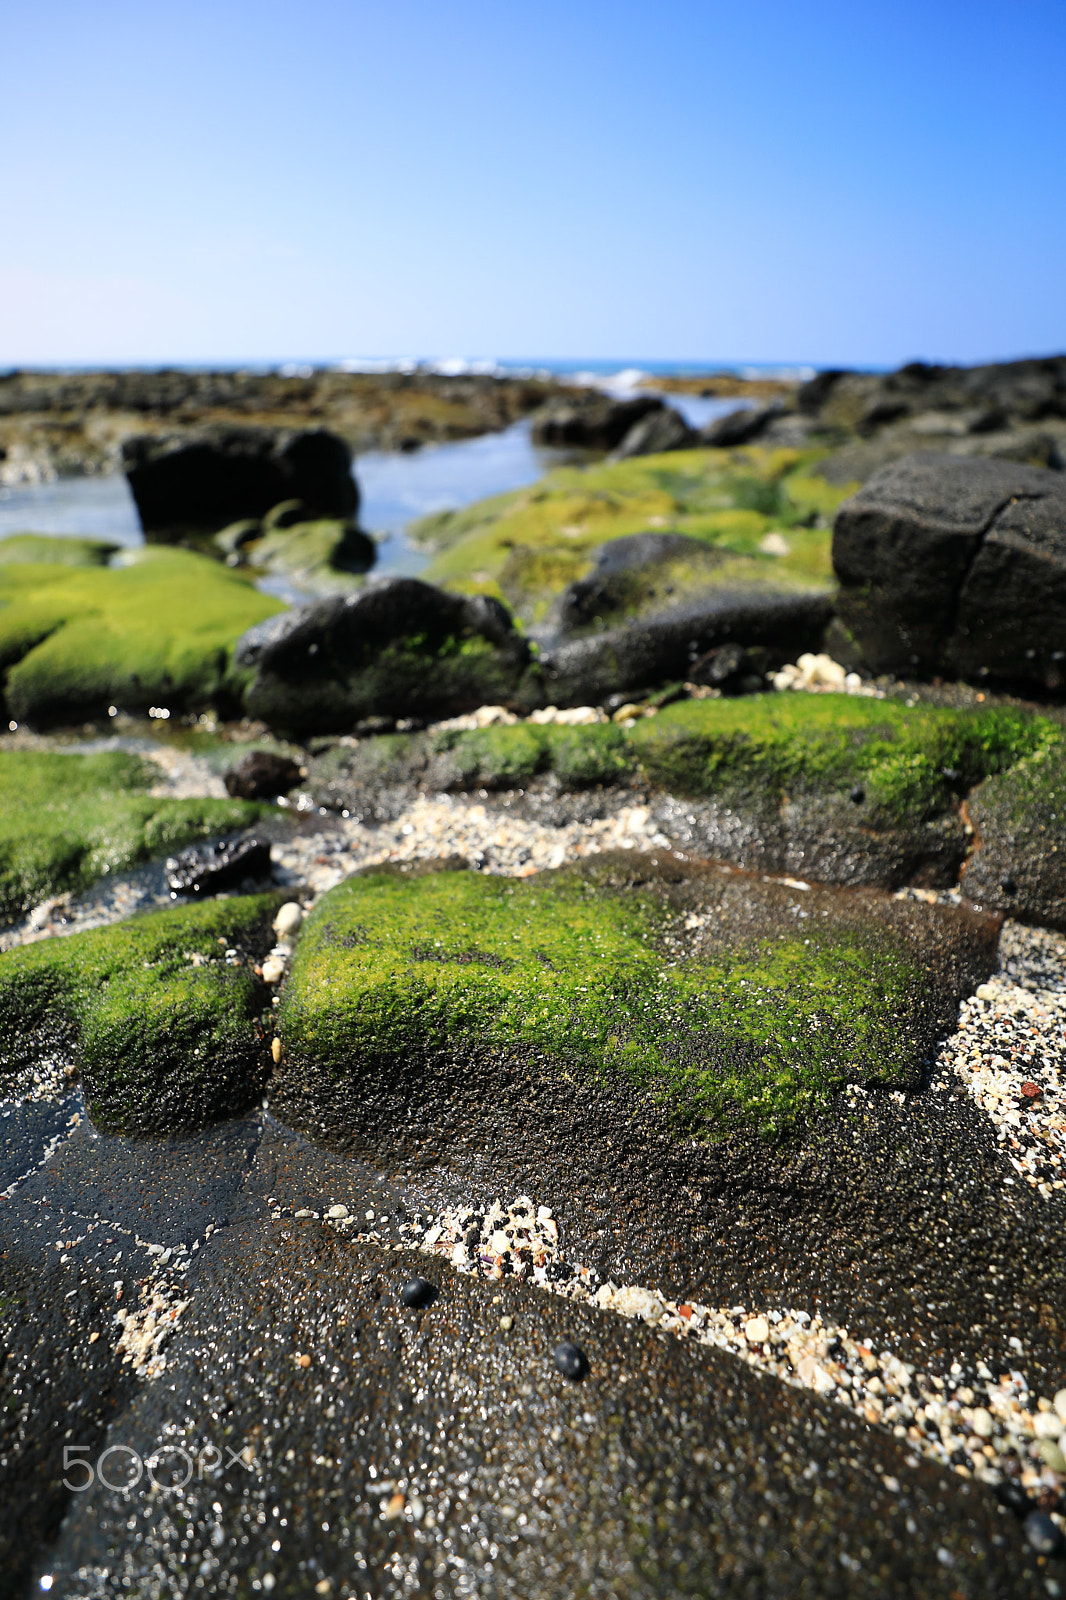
(67, 820)
(400, 648)
(327, 556)
(838, 788)
(162, 1016)
(1019, 821)
(527, 546)
(157, 630)
(709, 999)
(320, 556)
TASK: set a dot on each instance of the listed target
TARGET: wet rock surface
(419, 1452)
(205, 869)
(262, 1329)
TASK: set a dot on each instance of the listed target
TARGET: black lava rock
(949, 563)
(200, 480)
(738, 427)
(591, 421)
(399, 648)
(570, 1360)
(656, 432)
(205, 869)
(261, 775)
(418, 1294)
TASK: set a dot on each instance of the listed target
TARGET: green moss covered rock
(328, 556)
(1019, 821)
(834, 787)
(400, 648)
(720, 1000)
(161, 1016)
(526, 547)
(157, 630)
(67, 820)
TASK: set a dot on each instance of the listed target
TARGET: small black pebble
(1011, 1494)
(417, 1293)
(1008, 886)
(1042, 1533)
(858, 794)
(570, 1360)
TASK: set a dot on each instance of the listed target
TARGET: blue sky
(823, 182)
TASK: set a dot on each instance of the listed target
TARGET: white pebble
(756, 1330)
(288, 919)
(337, 1213)
(982, 1423)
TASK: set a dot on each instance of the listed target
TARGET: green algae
(322, 557)
(36, 548)
(757, 1022)
(911, 762)
(161, 1015)
(505, 757)
(526, 546)
(157, 630)
(67, 820)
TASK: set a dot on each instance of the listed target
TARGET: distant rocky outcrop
(63, 423)
(197, 481)
(957, 566)
(1013, 411)
(590, 421)
(655, 432)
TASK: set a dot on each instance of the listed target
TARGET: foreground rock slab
(365, 1447)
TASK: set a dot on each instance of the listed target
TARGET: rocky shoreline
(66, 424)
(550, 1079)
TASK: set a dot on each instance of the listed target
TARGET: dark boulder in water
(198, 481)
